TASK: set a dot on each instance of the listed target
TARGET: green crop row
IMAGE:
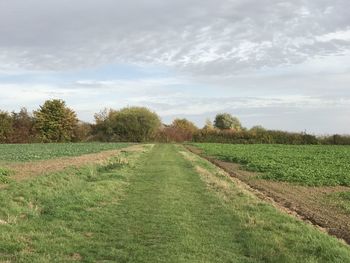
(313, 165)
(31, 152)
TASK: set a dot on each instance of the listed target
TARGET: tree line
(55, 122)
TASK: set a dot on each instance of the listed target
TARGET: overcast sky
(283, 64)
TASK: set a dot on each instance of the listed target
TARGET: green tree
(136, 124)
(225, 121)
(5, 126)
(55, 122)
(102, 130)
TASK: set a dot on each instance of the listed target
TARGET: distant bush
(335, 139)
(23, 127)
(136, 124)
(82, 132)
(55, 122)
(254, 136)
(180, 130)
(6, 128)
(132, 124)
(225, 121)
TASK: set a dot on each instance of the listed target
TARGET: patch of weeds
(113, 164)
(4, 180)
(92, 174)
(97, 173)
(4, 175)
(5, 172)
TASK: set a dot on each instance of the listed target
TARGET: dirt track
(307, 203)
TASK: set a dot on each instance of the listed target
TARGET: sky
(282, 64)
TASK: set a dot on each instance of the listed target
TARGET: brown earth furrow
(307, 203)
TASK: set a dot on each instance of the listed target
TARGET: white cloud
(337, 35)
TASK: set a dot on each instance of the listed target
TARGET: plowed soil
(308, 203)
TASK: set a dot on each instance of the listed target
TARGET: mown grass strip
(154, 208)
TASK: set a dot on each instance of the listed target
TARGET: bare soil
(27, 170)
(307, 203)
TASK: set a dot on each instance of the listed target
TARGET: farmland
(154, 203)
(312, 181)
(32, 152)
(18, 161)
(306, 165)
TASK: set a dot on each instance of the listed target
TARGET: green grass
(153, 208)
(341, 200)
(313, 165)
(4, 172)
(4, 175)
(31, 152)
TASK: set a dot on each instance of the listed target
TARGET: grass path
(166, 205)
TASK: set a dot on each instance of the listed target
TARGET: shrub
(254, 136)
(133, 124)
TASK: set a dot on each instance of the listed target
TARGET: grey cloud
(198, 37)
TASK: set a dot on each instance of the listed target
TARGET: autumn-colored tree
(23, 127)
(55, 122)
(82, 132)
(184, 124)
(208, 127)
(184, 129)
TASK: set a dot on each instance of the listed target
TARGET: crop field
(27, 159)
(312, 181)
(145, 203)
(32, 152)
(306, 165)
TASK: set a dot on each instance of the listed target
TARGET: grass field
(312, 165)
(32, 152)
(160, 204)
